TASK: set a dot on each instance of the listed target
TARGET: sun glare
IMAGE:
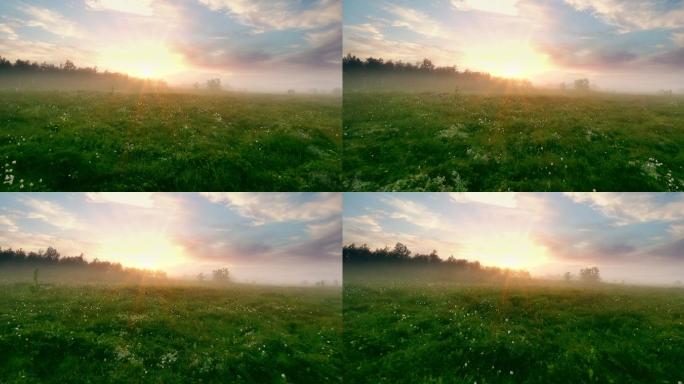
(146, 59)
(512, 250)
(508, 59)
(148, 251)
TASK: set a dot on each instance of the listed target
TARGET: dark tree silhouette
(582, 85)
(221, 275)
(214, 85)
(590, 275)
(50, 262)
(401, 256)
(380, 74)
(23, 74)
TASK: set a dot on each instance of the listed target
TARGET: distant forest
(50, 266)
(400, 262)
(26, 75)
(378, 74)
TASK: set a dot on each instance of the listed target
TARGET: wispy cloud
(136, 7)
(50, 212)
(8, 224)
(136, 199)
(50, 21)
(505, 200)
(629, 208)
(415, 20)
(266, 15)
(634, 15)
(279, 207)
(504, 7)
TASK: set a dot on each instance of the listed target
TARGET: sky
(262, 45)
(631, 237)
(281, 238)
(619, 45)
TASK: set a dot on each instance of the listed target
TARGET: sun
(512, 59)
(507, 250)
(143, 250)
(147, 59)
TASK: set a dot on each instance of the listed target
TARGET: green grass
(525, 334)
(85, 141)
(455, 142)
(99, 334)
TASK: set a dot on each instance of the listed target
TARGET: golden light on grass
(506, 250)
(147, 59)
(143, 250)
(510, 59)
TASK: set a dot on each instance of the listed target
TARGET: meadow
(402, 141)
(110, 141)
(522, 333)
(169, 334)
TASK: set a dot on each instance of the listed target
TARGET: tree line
(31, 75)
(53, 266)
(380, 74)
(401, 256)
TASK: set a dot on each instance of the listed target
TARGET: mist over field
(630, 237)
(263, 238)
(261, 46)
(513, 287)
(617, 46)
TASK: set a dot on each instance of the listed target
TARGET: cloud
(586, 248)
(631, 15)
(279, 207)
(43, 51)
(678, 38)
(8, 31)
(325, 50)
(673, 59)
(324, 240)
(9, 224)
(366, 40)
(50, 213)
(499, 199)
(50, 21)
(504, 7)
(413, 213)
(266, 15)
(415, 21)
(136, 199)
(366, 29)
(363, 223)
(575, 56)
(136, 7)
(672, 250)
(629, 208)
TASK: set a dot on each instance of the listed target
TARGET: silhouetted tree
(582, 85)
(590, 275)
(214, 85)
(221, 275)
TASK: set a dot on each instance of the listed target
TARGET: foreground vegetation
(166, 334)
(521, 333)
(522, 142)
(107, 141)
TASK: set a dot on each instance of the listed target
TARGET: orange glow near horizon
(512, 59)
(508, 250)
(143, 250)
(147, 59)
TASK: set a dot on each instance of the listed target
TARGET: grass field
(456, 142)
(85, 141)
(527, 334)
(239, 334)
